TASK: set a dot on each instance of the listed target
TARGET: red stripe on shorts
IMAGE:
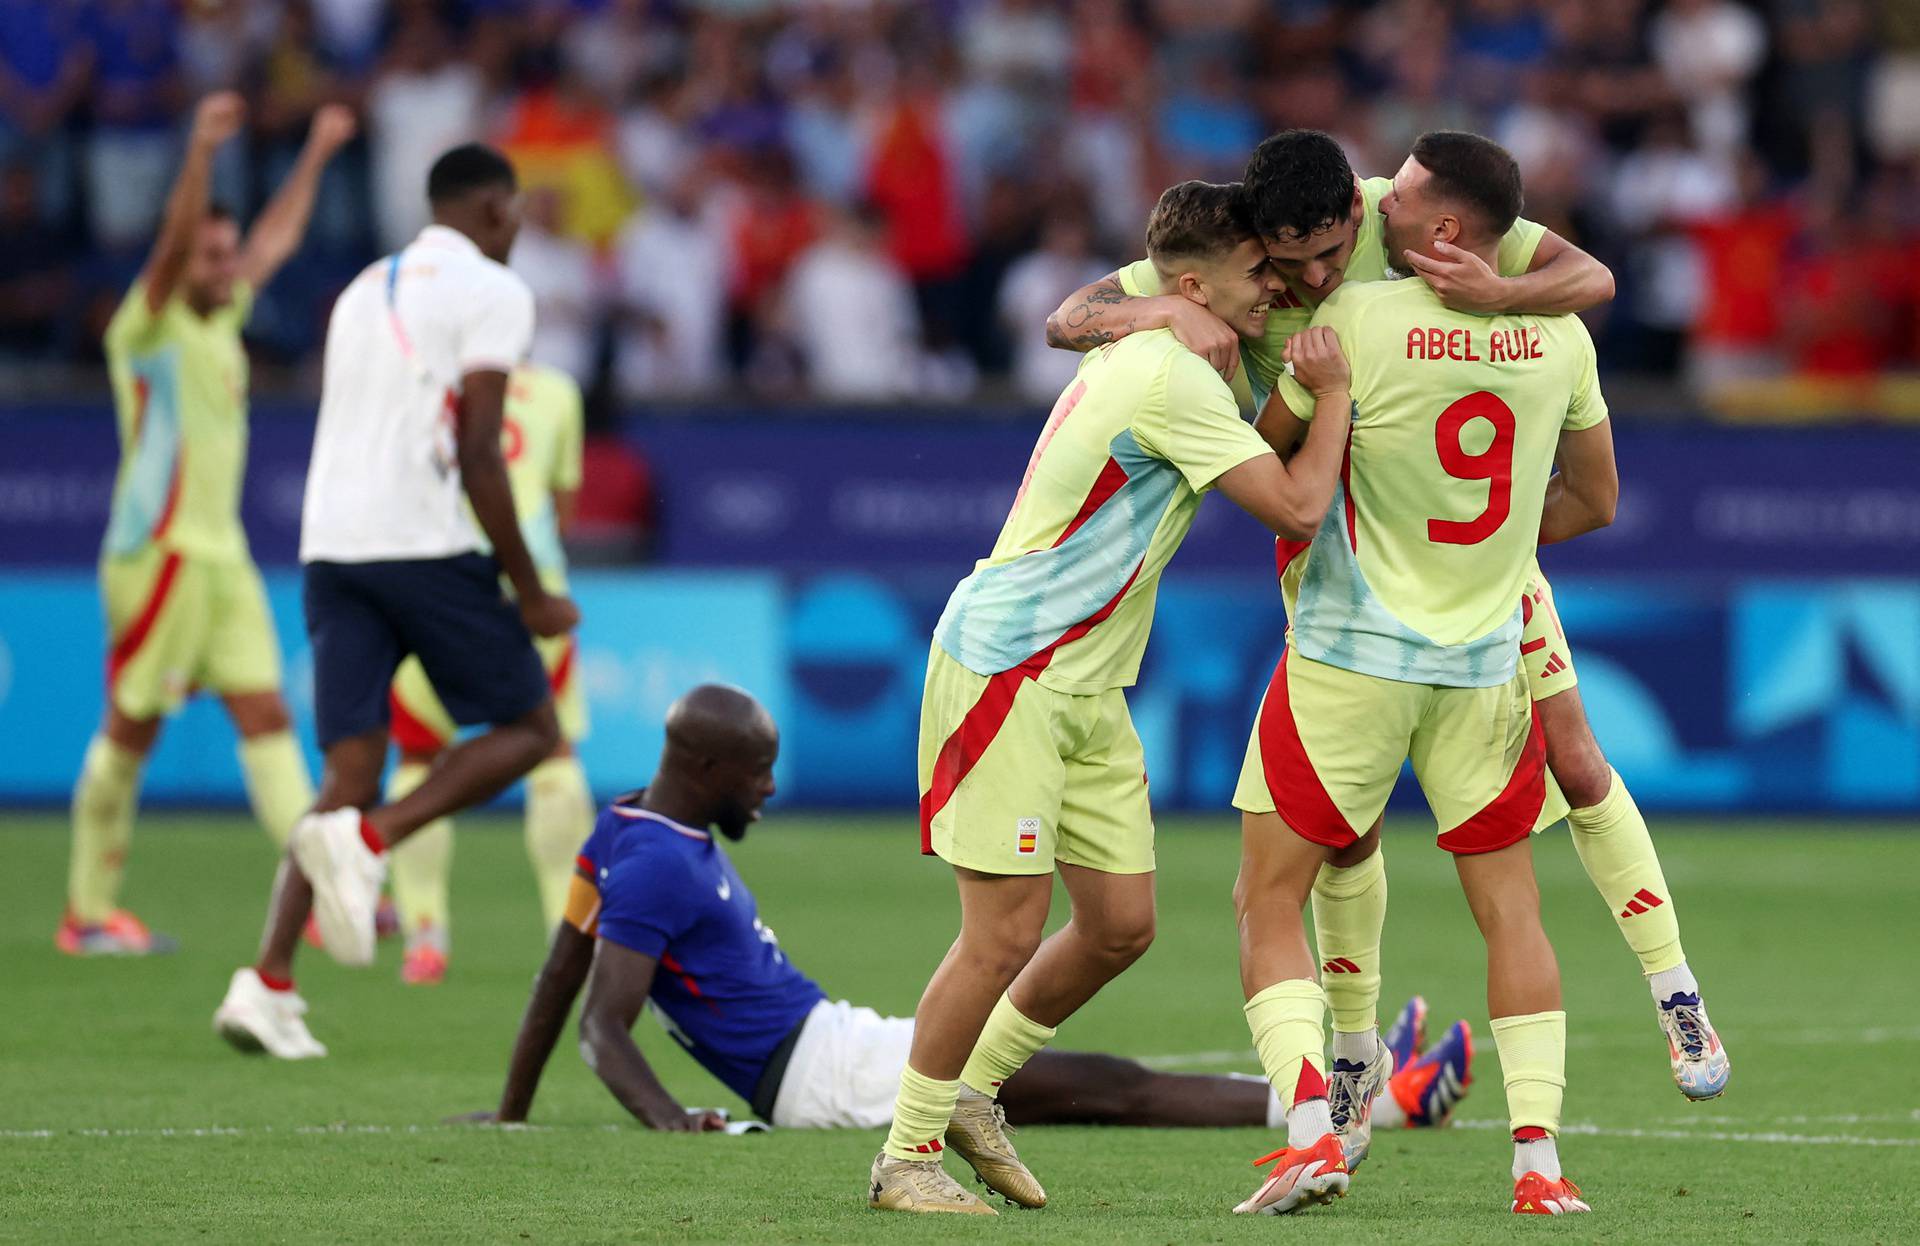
(410, 735)
(1509, 818)
(982, 723)
(128, 645)
(563, 669)
(1298, 795)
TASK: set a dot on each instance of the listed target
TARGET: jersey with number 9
(1418, 570)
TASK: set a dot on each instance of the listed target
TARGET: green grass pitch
(123, 1117)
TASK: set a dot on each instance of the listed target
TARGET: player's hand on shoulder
(1205, 334)
(1318, 362)
(218, 117)
(1461, 279)
(549, 614)
(333, 127)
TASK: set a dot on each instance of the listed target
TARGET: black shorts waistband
(767, 1090)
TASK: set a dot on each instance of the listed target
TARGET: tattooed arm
(1104, 312)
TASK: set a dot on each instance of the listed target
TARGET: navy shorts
(364, 617)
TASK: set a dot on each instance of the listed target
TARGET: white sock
(1308, 1122)
(1540, 1156)
(1359, 1047)
(1671, 982)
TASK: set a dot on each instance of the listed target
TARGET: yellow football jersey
(180, 400)
(1418, 570)
(541, 438)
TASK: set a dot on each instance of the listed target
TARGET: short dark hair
(1298, 183)
(467, 168)
(221, 213)
(1196, 220)
(1475, 173)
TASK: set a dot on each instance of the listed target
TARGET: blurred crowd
(870, 200)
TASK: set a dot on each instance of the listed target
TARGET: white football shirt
(384, 481)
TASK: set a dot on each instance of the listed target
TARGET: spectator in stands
(1032, 288)
(1743, 254)
(671, 262)
(36, 270)
(1710, 52)
(849, 310)
(136, 99)
(560, 271)
(43, 73)
(424, 99)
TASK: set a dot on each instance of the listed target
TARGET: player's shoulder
(1372, 191)
(543, 380)
(1355, 299)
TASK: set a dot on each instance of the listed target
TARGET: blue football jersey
(725, 990)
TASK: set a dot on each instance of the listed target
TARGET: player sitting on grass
(185, 607)
(1404, 645)
(1325, 228)
(541, 442)
(414, 381)
(678, 930)
(1028, 759)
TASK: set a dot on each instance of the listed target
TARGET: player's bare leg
(1617, 852)
(1088, 1088)
(1529, 1026)
(104, 801)
(1111, 926)
(1002, 918)
(1286, 1011)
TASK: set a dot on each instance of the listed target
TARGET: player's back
(384, 480)
(1418, 571)
(1110, 491)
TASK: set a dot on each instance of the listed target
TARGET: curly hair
(1298, 182)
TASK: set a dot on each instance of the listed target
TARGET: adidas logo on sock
(1642, 901)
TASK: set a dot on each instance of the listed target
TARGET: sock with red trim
(1006, 1044)
(273, 983)
(921, 1113)
(1534, 1151)
(1288, 1022)
(1533, 1062)
(371, 838)
(1615, 848)
(103, 805)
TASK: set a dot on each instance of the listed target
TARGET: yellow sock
(419, 866)
(277, 784)
(1533, 1060)
(1613, 844)
(921, 1112)
(1006, 1044)
(1288, 1021)
(103, 805)
(560, 814)
(1349, 911)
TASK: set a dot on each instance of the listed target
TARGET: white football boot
(346, 877)
(254, 1018)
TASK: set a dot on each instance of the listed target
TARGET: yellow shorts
(1015, 776)
(1543, 642)
(1329, 743)
(177, 624)
(420, 724)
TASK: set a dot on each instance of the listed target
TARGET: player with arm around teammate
(1028, 759)
(1325, 228)
(1404, 645)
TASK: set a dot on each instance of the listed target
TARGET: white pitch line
(1583, 1128)
(1690, 1135)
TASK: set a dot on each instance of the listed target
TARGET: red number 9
(1493, 465)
